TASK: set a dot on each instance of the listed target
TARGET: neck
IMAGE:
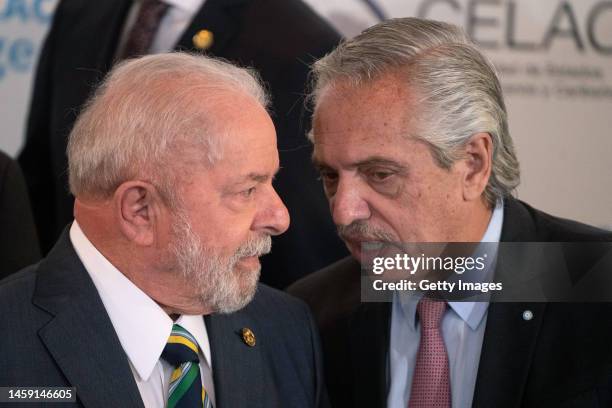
(477, 218)
(145, 267)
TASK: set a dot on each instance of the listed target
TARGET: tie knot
(430, 313)
(181, 347)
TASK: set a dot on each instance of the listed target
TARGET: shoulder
(561, 229)
(286, 310)
(296, 11)
(331, 292)
(17, 288)
(18, 314)
(531, 224)
(301, 29)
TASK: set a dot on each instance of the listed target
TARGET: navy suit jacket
(560, 358)
(56, 332)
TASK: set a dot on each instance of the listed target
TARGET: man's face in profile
(230, 210)
(382, 184)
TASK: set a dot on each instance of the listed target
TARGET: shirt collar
(472, 313)
(141, 324)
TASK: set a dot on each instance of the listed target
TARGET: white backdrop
(554, 59)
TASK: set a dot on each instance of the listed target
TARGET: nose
(347, 205)
(273, 218)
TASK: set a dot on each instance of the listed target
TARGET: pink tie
(431, 380)
(142, 33)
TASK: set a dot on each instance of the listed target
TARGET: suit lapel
(369, 342)
(510, 339)
(215, 16)
(237, 367)
(507, 352)
(117, 12)
(80, 336)
(99, 29)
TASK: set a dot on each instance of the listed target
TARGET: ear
(478, 156)
(139, 210)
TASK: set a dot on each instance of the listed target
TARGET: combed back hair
(150, 114)
(458, 92)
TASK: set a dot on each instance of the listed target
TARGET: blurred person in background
(18, 240)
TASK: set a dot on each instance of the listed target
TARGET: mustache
(255, 246)
(362, 231)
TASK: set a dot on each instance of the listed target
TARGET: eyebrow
(259, 177)
(369, 161)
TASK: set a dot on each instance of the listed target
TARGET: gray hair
(461, 94)
(147, 116)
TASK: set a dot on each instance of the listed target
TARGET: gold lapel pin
(248, 337)
(203, 39)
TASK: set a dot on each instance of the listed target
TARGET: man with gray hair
(171, 163)
(411, 140)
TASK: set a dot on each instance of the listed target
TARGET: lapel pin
(527, 315)
(248, 337)
(203, 39)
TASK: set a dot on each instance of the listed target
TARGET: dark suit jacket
(18, 240)
(279, 38)
(560, 358)
(56, 332)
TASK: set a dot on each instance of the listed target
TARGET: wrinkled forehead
(378, 95)
(370, 115)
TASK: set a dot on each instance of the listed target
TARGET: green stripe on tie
(183, 385)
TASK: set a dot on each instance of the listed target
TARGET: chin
(240, 292)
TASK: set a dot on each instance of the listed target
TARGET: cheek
(229, 232)
(422, 210)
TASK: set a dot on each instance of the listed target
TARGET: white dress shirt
(171, 27)
(463, 327)
(141, 325)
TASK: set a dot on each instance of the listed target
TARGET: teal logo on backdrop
(17, 53)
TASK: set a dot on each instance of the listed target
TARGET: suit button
(527, 315)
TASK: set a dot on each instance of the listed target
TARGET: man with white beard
(171, 163)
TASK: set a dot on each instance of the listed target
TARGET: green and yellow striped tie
(186, 390)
